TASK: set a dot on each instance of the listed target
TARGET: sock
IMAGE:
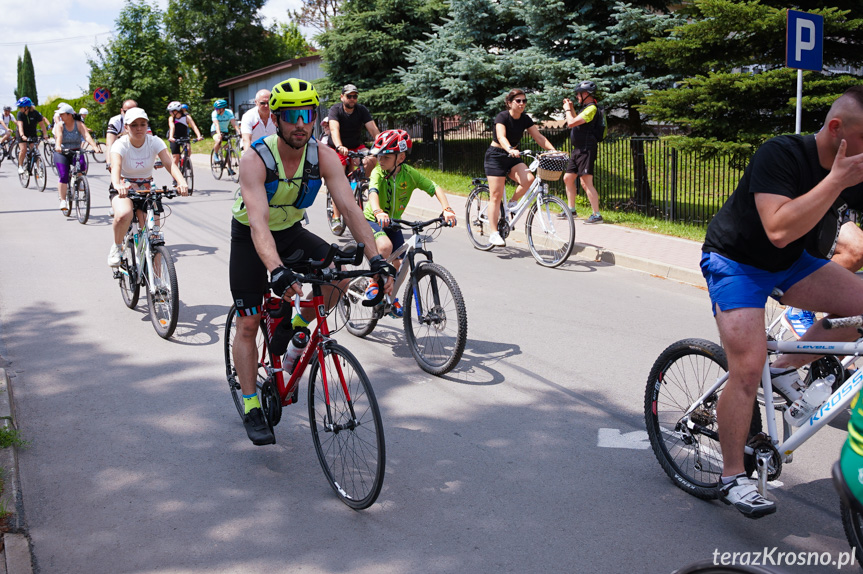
(251, 402)
(730, 479)
(299, 321)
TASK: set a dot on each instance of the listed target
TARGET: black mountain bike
(359, 185)
(186, 162)
(34, 166)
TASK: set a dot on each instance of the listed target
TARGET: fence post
(673, 196)
(440, 145)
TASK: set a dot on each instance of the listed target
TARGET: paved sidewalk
(653, 253)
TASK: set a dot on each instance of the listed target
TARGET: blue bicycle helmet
(24, 102)
(184, 107)
(220, 104)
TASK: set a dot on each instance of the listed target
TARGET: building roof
(247, 77)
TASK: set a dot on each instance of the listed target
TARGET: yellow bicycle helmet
(293, 93)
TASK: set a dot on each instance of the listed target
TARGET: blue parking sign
(804, 41)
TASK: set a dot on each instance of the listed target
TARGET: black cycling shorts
(581, 160)
(248, 275)
(498, 162)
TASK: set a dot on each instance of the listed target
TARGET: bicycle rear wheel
(691, 457)
(263, 356)
(359, 320)
(436, 337)
(476, 218)
(82, 199)
(550, 239)
(164, 303)
(70, 200)
(40, 176)
(48, 153)
(98, 154)
(216, 164)
(24, 178)
(347, 431)
(130, 288)
(232, 164)
(330, 207)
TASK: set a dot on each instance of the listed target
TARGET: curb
(599, 255)
(16, 556)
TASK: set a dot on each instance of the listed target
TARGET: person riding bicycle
(178, 128)
(133, 156)
(503, 159)
(391, 185)
(277, 183)
(258, 122)
(347, 120)
(28, 123)
(771, 238)
(5, 128)
(222, 117)
(68, 135)
(116, 129)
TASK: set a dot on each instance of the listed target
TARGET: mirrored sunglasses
(291, 115)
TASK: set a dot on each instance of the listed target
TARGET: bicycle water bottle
(295, 349)
(801, 409)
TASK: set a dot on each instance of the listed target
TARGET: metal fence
(634, 173)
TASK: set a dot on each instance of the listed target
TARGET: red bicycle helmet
(392, 141)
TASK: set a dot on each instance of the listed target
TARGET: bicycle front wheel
(130, 288)
(24, 178)
(550, 238)
(232, 164)
(359, 320)
(346, 427)
(163, 298)
(852, 523)
(476, 218)
(82, 199)
(189, 173)
(689, 454)
(435, 319)
(216, 164)
(40, 176)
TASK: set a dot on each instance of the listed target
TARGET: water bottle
(801, 409)
(295, 349)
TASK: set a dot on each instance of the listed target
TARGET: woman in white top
(132, 159)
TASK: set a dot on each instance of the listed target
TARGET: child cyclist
(390, 187)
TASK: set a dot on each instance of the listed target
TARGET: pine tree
(18, 80)
(27, 78)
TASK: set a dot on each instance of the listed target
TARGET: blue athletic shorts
(734, 285)
(394, 233)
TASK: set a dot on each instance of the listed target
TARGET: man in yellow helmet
(276, 189)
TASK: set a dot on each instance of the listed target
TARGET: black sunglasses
(352, 96)
(520, 100)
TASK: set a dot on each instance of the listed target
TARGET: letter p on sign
(804, 41)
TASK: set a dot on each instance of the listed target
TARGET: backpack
(311, 179)
(600, 130)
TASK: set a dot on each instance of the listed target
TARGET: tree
(293, 43)
(222, 38)
(27, 78)
(18, 80)
(367, 45)
(734, 84)
(317, 14)
(140, 63)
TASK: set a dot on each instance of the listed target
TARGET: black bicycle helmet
(586, 86)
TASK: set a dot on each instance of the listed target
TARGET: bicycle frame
(412, 246)
(144, 238)
(839, 400)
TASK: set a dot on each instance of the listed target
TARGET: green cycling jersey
(395, 193)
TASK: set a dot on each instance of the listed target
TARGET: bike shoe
(372, 291)
(798, 321)
(337, 226)
(257, 429)
(396, 311)
(743, 494)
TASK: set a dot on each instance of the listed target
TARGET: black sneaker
(257, 429)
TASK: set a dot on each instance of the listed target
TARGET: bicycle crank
(768, 463)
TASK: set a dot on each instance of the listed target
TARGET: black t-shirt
(787, 166)
(350, 125)
(31, 121)
(515, 128)
(585, 134)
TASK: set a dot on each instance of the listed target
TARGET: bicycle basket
(552, 165)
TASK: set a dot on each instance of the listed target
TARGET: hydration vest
(311, 178)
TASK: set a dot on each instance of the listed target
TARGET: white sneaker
(114, 256)
(496, 240)
(743, 495)
(20, 170)
(111, 211)
(64, 205)
(511, 205)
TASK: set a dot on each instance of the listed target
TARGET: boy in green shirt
(390, 187)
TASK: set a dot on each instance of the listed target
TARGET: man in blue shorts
(773, 236)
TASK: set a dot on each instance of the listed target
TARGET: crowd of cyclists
(282, 174)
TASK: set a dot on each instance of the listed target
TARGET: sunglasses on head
(352, 96)
(291, 115)
(520, 100)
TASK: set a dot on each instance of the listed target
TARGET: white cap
(134, 114)
(326, 119)
(65, 109)
(83, 112)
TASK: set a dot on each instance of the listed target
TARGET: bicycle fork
(330, 425)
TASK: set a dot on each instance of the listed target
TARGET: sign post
(101, 95)
(804, 49)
